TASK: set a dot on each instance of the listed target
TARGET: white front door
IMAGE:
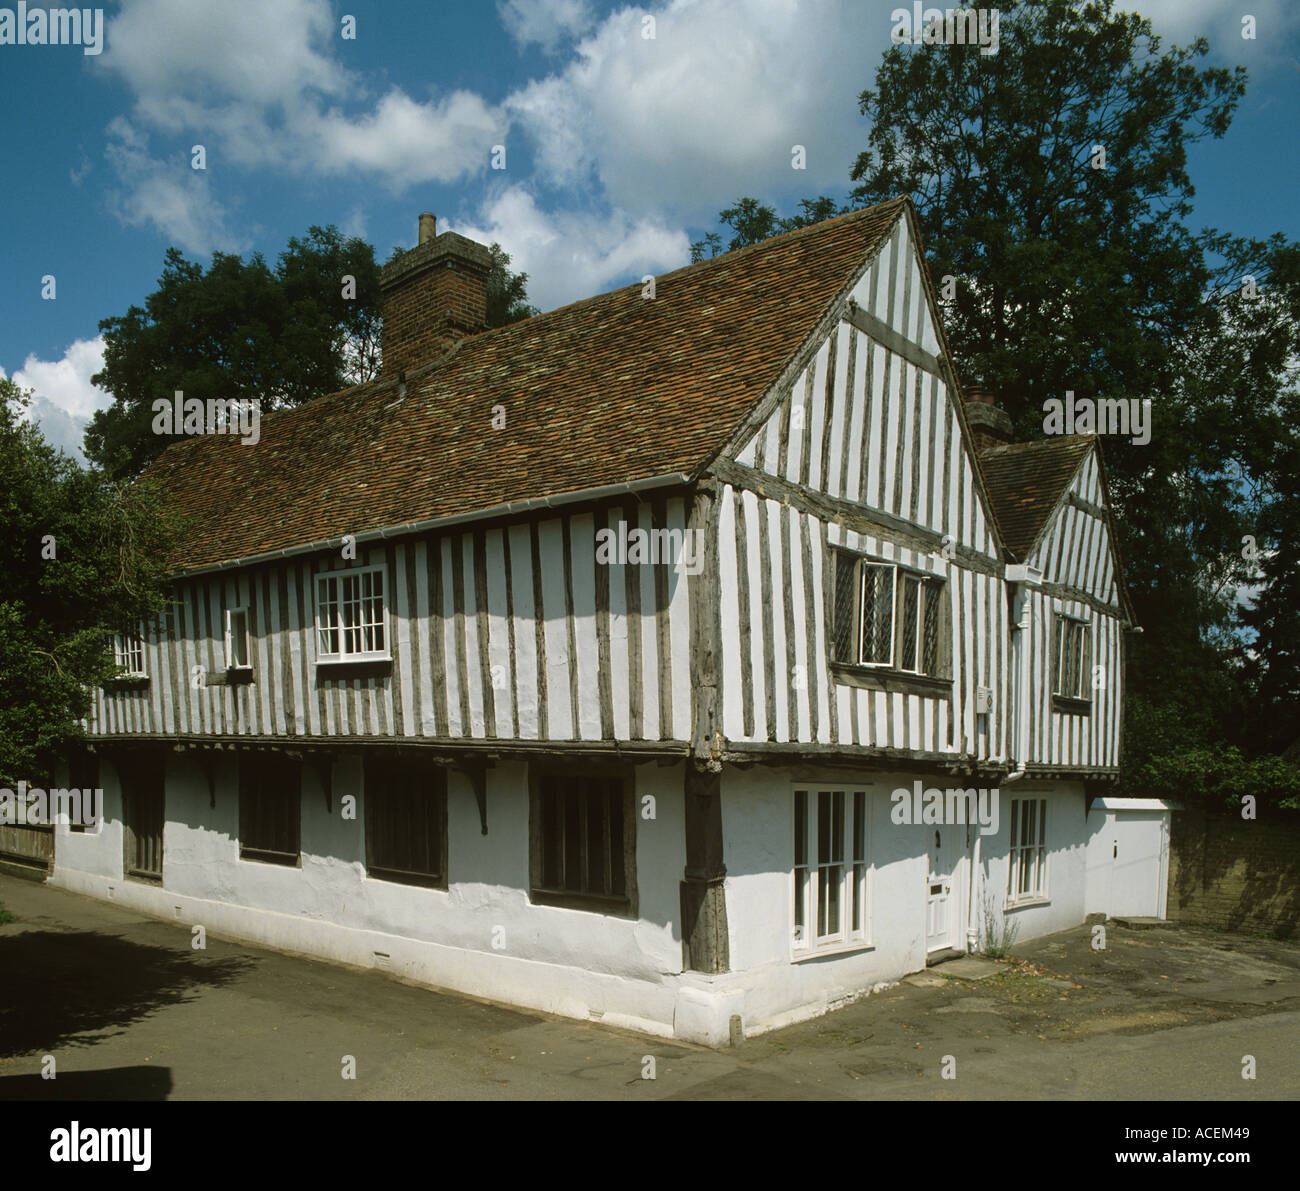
(940, 904)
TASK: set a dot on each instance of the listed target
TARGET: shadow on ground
(116, 1083)
(62, 988)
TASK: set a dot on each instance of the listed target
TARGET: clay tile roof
(1025, 482)
(606, 391)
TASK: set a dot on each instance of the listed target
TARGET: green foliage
(752, 222)
(237, 330)
(5, 916)
(999, 931)
(507, 295)
(57, 615)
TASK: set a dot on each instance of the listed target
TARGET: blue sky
(620, 149)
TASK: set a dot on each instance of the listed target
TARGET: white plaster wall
(1067, 861)
(758, 830)
(775, 989)
(572, 962)
(99, 850)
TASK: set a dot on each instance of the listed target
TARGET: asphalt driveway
(128, 1010)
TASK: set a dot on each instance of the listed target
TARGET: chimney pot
(428, 227)
(990, 424)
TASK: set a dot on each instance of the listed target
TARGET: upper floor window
(889, 617)
(128, 653)
(237, 655)
(351, 622)
(1072, 659)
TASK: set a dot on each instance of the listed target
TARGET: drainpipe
(1022, 577)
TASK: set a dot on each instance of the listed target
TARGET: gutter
(511, 508)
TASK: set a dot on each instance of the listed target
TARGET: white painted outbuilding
(1128, 856)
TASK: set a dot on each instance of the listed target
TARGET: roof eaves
(509, 509)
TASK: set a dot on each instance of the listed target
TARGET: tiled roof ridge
(1034, 443)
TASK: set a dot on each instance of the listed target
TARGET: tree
(240, 330)
(507, 295)
(752, 222)
(80, 559)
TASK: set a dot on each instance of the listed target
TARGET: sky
(620, 147)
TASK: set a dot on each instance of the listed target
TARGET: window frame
(255, 852)
(337, 578)
(855, 882)
(231, 664)
(542, 776)
(932, 600)
(1040, 894)
(1064, 626)
(126, 647)
(373, 767)
(82, 763)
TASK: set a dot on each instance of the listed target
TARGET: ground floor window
(270, 809)
(1027, 871)
(406, 821)
(83, 774)
(143, 779)
(830, 869)
(583, 841)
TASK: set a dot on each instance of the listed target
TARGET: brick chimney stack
(990, 424)
(432, 296)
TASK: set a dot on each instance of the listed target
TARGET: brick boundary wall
(1235, 874)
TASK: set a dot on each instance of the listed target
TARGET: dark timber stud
(705, 946)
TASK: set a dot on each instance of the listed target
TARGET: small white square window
(351, 620)
(128, 653)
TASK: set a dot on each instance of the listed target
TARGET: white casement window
(1072, 662)
(128, 653)
(900, 618)
(831, 885)
(1027, 871)
(351, 620)
(237, 655)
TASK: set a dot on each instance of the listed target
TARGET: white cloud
(572, 255)
(259, 83)
(406, 142)
(166, 194)
(711, 106)
(63, 397)
(1182, 20)
(545, 23)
